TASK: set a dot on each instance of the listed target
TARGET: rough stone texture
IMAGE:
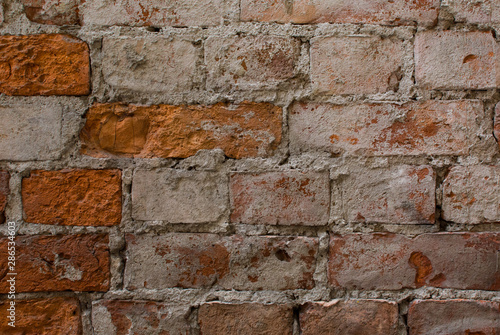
(58, 263)
(360, 317)
(496, 130)
(399, 12)
(177, 13)
(475, 11)
(456, 60)
(244, 130)
(46, 64)
(471, 194)
(440, 317)
(73, 197)
(280, 198)
(356, 65)
(245, 319)
(149, 64)
(60, 12)
(4, 193)
(177, 196)
(53, 316)
(30, 131)
(392, 262)
(251, 62)
(123, 317)
(229, 262)
(400, 194)
(415, 128)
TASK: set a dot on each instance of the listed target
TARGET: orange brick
(60, 12)
(44, 65)
(73, 197)
(58, 263)
(244, 130)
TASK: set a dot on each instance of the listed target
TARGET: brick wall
(250, 166)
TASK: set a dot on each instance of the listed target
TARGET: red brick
(54, 316)
(398, 12)
(470, 194)
(245, 319)
(228, 262)
(44, 65)
(73, 197)
(60, 12)
(455, 60)
(58, 263)
(250, 62)
(360, 317)
(280, 198)
(470, 317)
(356, 65)
(402, 195)
(392, 262)
(414, 128)
(4, 193)
(244, 130)
(122, 317)
(177, 13)
(477, 11)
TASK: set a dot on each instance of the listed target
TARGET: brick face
(398, 12)
(59, 263)
(280, 198)
(205, 260)
(392, 262)
(44, 65)
(245, 319)
(250, 62)
(59, 12)
(470, 194)
(73, 197)
(478, 11)
(53, 316)
(179, 196)
(124, 317)
(401, 195)
(454, 317)
(356, 65)
(496, 129)
(455, 60)
(243, 130)
(415, 128)
(4, 193)
(350, 317)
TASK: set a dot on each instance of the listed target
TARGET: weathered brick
(251, 62)
(59, 12)
(4, 193)
(243, 130)
(122, 317)
(245, 319)
(356, 65)
(496, 129)
(280, 198)
(476, 11)
(474, 317)
(1, 13)
(455, 60)
(179, 196)
(398, 12)
(54, 316)
(149, 64)
(58, 263)
(400, 194)
(392, 262)
(177, 13)
(73, 197)
(360, 317)
(470, 194)
(229, 262)
(30, 131)
(47, 64)
(415, 128)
